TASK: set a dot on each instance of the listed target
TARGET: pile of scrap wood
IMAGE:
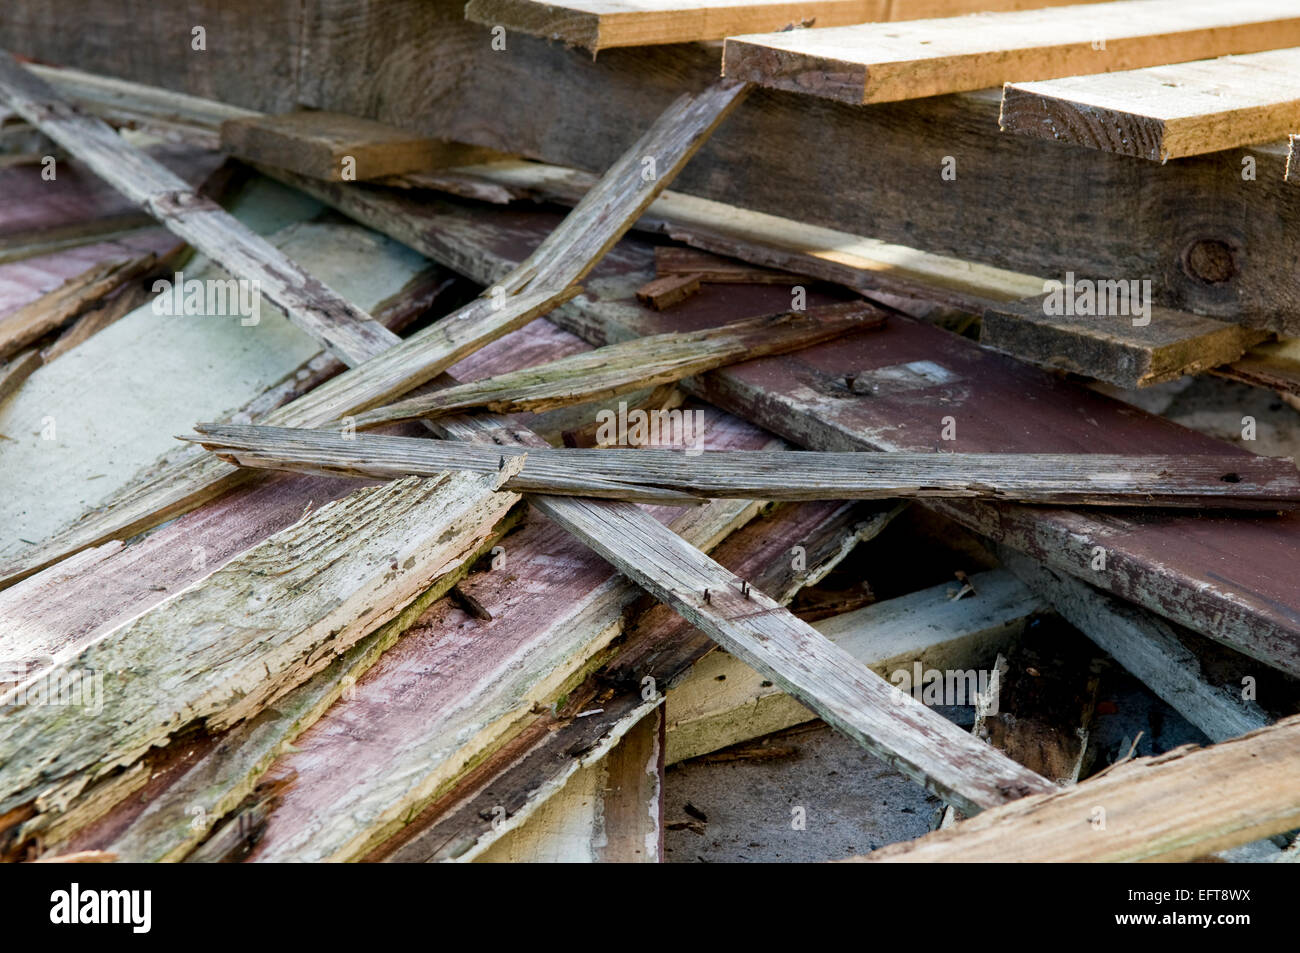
(545, 421)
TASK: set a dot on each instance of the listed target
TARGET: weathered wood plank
(1133, 345)
(338, 147)
(1149, 648)
(305, 300)
(602, 24)
(663, 476)
(1173, 807)
(560, 259)
(922, 745)
(656, 649)
(365, 557)
(722, 701)
(876, 63)
(1008, 187)
(1167, 111)
(621, 368)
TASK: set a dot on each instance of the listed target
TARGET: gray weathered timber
(392, 366)
(918, 742)
(202, 223)
(1115, 347)
(633, 365)
(655, 475)
(225, 647)
(1148, 647)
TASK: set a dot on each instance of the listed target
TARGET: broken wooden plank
(1164, 112)
(17, 369)
(1127, 342)
(724, 702)
(714, 269)
(876, 63)
(203, 224)
(366, 557)
(1151, 649)
(602, 24)
(71, 299)
(672, 476)
(338, 147)
(619, 368)
(560, 259)
(608, 812)
(922, 745)
(665, 292)
(656, 649)
(1274, 365)
(1173, 807)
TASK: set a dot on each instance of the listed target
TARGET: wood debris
(542, 490)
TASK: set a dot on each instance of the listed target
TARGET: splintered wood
(679, 477)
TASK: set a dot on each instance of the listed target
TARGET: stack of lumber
(592, 396)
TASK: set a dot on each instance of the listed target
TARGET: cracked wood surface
(682, 476)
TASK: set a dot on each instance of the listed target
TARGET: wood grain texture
(895, 727)
(1174, 807)
(1226, 578)
(658, 644)
(722, 701)
(1204, 237)
(620, 368)
(558, 260)
(203, 224)
(319, 144)
(1116, 348)
(876, 63)
(224, 648)
(675, 476)
(1164, 112)
(602, 24)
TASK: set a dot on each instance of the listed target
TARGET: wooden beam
(1126, 347)
(338, 147)
(673, 476)
(633, 365)
(723, 702)
(1173, 807)
(602, 24)
(876, 63)
(1167, 111)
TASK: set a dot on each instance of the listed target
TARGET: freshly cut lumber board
(602, 24)
(1173, 807)
(338, 147)
(1112, 347)
(1164, 112)
(722, 701)
(677, 476)
(620, 368)
(876, 63)
(222, 649)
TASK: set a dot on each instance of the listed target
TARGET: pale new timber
(876, 63)
(1164, 112)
